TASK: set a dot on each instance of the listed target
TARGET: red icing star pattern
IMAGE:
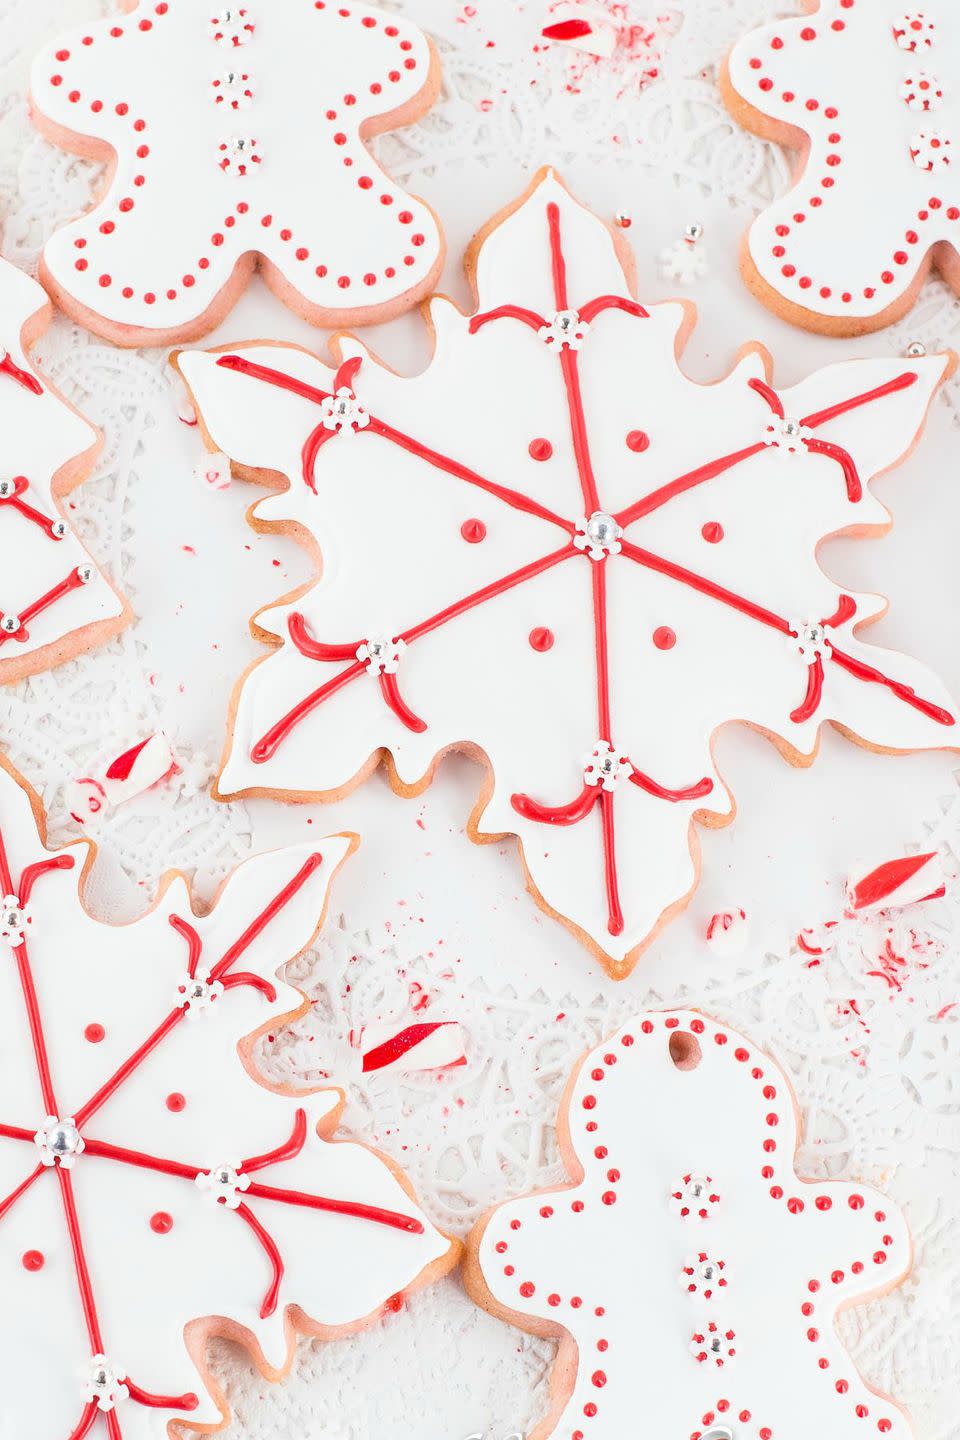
(448, 542)
(146, 1181)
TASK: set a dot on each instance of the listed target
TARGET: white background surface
(879, 1090)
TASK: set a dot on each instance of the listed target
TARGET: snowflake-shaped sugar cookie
(54, 602)
(745, 1347)
(871, 91)
(152, 1193)
(581, 563)
(239, 139)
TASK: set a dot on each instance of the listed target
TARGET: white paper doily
(871, 1036)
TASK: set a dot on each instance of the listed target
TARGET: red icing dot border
(797, 1198)
(822, 182)
(353, 154)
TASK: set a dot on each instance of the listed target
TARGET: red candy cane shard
(898, 882)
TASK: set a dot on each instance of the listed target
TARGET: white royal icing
(232, 140)
(880, 186)
(161, 1250)
(681, 663)
(754, 1346)
(41, 435)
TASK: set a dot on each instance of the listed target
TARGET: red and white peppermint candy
(583, 28)
(728, 932)
(921, 92)
(931, 150)
(139, 768)
(914, 32)
(903, 881)
(427, 1045)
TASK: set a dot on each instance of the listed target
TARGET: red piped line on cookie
(105, 1150)
(583, 805)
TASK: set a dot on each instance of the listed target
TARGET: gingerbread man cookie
(54, 601)
(555, 551)
(236, 138)
(152, 1192)
(692, 1278)
(865, 92)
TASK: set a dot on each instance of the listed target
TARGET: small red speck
(94, 1034)
(33, 1260)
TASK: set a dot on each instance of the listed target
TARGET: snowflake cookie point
(290, 1210)
(472, 547)
(760, 1312)
(42, 567)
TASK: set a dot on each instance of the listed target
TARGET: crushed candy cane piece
(139, 768)
(429, 1045)
(213, 470)
(817, 940)
(583, 29)
(903, 881)
(85, 800)
(728, 932)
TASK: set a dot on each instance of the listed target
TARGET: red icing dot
(161, 1223)
(541, 639)
(664, 638)
(540, 449)
(473, 531)
(33, 1260)
(94, 1033)
(712, 532)
(176, 1102)
(638, 441)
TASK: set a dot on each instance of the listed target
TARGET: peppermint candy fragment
(894, 883)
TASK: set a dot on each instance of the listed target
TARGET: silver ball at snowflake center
(813, 635)
(58, 529)
(718, 1432)
(696, 1187)
(377, 648)
(606, 764)
(790, 429)
(63, 1138)
(85, 573)
(693, 232)
(566, 321)
(10, 624)
(342, 407)
(602, 529)
(223, 1176)
(7, 489)
(196, 990)
(707, 1270)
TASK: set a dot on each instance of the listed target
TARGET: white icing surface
(172, 212)
(389, 525)
(877, 210)
(41, 434)
(148, 1285)
(620, 1245)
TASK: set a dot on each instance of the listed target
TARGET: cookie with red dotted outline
(864, 93)
(622, 1262)
(235, 139)
(54, 601)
